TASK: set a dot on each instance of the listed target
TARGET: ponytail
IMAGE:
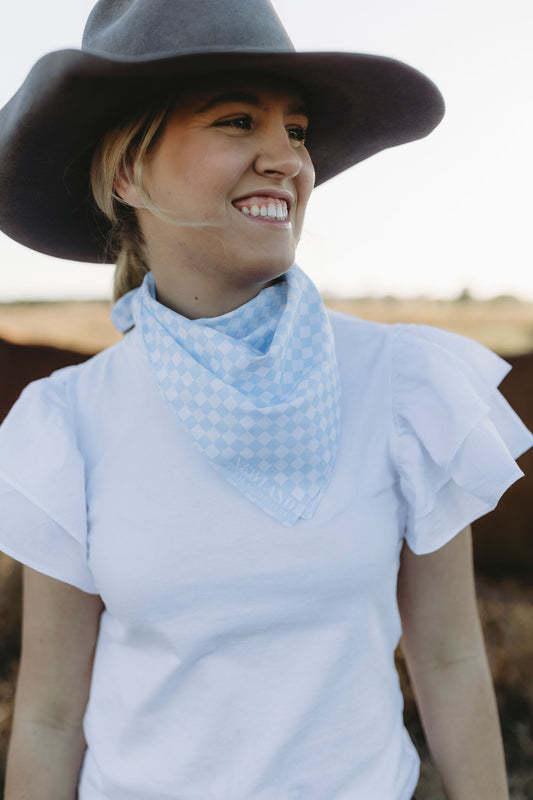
(131, 266)
(123, 149)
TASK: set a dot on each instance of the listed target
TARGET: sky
(433, 217)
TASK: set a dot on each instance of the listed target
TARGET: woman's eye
(242, 123)
(297, 133)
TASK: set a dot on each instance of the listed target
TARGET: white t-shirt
(238, 658)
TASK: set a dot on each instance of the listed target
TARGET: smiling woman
(223, 150)
(229, 518)
(162, 163)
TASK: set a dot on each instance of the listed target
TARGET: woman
(221, 515)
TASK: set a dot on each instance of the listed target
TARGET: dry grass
(503, 325)
(83, 326)
(10, 618)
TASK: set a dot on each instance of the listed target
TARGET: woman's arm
(445, 654)
(59, 632)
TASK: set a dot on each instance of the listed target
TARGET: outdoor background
(436, 232)
(430, 217)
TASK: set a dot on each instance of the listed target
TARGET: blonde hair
(122, 151)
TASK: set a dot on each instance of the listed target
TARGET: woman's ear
(126, 190)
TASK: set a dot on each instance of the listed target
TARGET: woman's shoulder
(114, 360)
(411, 347)
(44, 444)
(360, 344)
(80, 384)
(426, 370)
(348, 326)
(456, 436)
(70, 396)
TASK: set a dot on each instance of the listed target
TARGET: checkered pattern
(258, 388)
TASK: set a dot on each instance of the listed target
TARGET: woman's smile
(230, 177)
(266, 207)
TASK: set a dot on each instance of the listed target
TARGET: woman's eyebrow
(249, 99)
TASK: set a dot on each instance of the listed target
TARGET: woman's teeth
(275, 210)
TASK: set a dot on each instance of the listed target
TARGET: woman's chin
(272, 266)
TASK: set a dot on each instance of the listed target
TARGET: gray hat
(135, 49)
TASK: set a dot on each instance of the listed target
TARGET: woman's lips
(272, 208)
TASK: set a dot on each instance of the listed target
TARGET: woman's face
(232, 168)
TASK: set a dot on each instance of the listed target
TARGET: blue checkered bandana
(258, 388)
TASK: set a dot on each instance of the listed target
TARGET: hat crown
(153, 28)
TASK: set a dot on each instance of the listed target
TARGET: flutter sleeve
(456, 435)
(43, 519)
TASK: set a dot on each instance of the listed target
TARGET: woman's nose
(279, 155)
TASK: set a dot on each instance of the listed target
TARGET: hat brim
(359, 105)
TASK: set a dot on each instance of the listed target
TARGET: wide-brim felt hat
(135, 50)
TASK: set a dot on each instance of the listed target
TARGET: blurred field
(505, 601)
(504, 325)
(83, 326)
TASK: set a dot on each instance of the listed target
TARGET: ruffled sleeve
(456, 435)
(43, 519)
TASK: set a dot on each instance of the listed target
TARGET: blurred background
(431, 217)
(437, 232)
